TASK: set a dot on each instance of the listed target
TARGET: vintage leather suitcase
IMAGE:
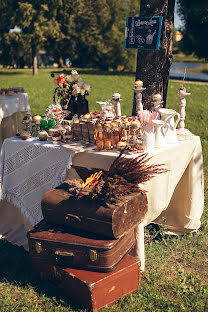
(113, 220)
(93, 290)
(77, 248)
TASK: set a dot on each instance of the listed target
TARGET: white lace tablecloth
(10, 104)
(28, 170)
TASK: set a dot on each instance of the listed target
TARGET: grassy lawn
(181, 57)
(176, 275)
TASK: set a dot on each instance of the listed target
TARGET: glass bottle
(115, 135)
(99, 137)
(33, 128)
(44, 123)
(107, 136)
(26, 123)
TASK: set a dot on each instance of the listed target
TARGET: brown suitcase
(113, 220)
(77, 248)
(94, 290)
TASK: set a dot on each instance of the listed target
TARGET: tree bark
(153, 66)
(35, 60)
(61, 62)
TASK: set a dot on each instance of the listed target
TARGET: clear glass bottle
(107, 136)
(115, 134)
(26, 123)
(99, 137)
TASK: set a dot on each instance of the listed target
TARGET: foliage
(15, 50)
(7, 9)
(195, 18)
(91, 33)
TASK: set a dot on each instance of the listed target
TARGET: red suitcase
(94, 290)
(77, 248)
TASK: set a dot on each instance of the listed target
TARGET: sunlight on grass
(176, 275)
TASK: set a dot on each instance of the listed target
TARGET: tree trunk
(35, 60)
(61, 62)
(153, 66)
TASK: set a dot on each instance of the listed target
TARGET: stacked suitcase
(79, 251)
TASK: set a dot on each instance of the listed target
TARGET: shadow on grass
(93, 72)
(16, 268)
(12, 73)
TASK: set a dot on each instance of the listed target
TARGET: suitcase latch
(38, 247)
(93, 255)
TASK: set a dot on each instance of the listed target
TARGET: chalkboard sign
(143, 33)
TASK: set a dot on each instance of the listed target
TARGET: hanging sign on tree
(143, 33)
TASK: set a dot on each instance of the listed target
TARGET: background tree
(7, 9)
(153, 66)
(31, 18)
(92, 33)
(62, 44)
(100, 35)
(15, 50)
(195, 27)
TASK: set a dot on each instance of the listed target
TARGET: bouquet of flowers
(71, 91)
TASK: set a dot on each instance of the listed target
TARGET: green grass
(181, 57)
(176, 276)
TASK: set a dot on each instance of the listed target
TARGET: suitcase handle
(74, 217)
(64, 256)
(64, 253)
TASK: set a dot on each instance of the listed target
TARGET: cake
(68, 134)
(87, 116)
(25, 135)
(157, 97)
(37, 119)
(182, 90)
(107, 113)
(116, 96)
(121, 145)
(138, 84)
(135, 124)
(56, 135)
(43, 135)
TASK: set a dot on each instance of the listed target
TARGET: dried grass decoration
(122, 178)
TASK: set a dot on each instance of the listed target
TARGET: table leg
(138, 251)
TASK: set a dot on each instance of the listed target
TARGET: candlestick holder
(138, 96)
(116, 103)
(117, 107)
(182, 132)
(156, 105)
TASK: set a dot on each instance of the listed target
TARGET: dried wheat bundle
(124, 176)
(135, 170)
